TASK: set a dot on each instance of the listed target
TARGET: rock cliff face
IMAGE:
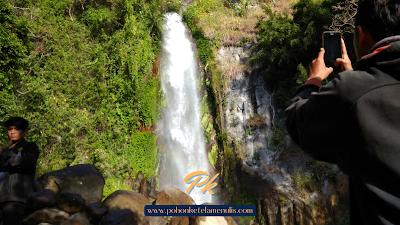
(276, 174)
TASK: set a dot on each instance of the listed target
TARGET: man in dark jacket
(17, 171)
(354, 120)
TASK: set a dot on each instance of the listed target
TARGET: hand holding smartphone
(332, 44)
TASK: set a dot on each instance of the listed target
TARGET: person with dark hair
(17, 171)
(354, 120)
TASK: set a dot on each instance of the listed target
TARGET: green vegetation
(205, 122)
(241, 8)
(322, 171)
(234, 121)
(248, 131)
(233, 107)
(304, 183)
(310, 182)
(256, 156)
(246, 39)
(213, 155)
(85, 75)
(246, 199)
(221, 22)
(207, 126)
(195, 10)
(277, 137)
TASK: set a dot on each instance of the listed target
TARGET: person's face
(16, 134)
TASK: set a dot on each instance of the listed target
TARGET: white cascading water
(180, 126)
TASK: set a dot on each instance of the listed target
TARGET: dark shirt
(18, 166)
(4, 166)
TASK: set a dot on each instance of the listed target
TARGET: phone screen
(331, 44)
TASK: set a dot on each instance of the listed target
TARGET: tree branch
(35, 64)
(344, 20)
(33, 34)
(23, 9)
(69, 12)
(23, 93)
(270, 104)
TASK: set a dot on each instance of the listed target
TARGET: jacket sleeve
(316, 121)
(27, 159)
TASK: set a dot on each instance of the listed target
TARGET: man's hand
(344, 62)
(318, 70)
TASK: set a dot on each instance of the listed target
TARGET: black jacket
(354, 121)
(19, 174)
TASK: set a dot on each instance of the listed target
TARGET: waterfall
(180, 127)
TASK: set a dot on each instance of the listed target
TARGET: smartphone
(332, 46)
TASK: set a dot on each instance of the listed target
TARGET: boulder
(71, 202)
(77, 219)
(173, 196)
(45, 198)
(179, 220)
(95, 212)
(52, 216)
(156, 220)
(211, 220)
(82, 179)
(121, 217)
(127, 200)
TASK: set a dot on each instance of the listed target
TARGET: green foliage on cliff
(213, 155)
(13, 47)
(304, 182)
(191, 16)
(287, 44)
(81, 72)
(277, 138)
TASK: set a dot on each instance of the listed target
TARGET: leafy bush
(142, 152)
(190, 16)
(84, 75)
(213, 155)
(248, 131)
(13, 48)
(322, 171)
(241, 8)
(304, 182)
(277, 137)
